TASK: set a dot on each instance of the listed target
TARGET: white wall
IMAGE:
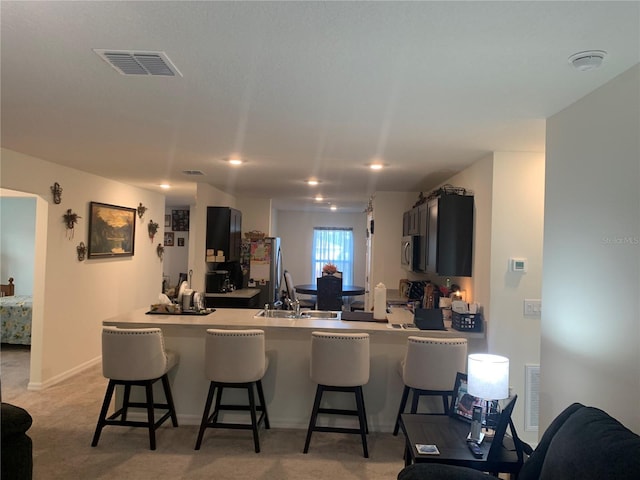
(388, 208)
(17, 241)
(257, 214)
(72, 298)
(508, 189)
(590, 339)
(296, 232)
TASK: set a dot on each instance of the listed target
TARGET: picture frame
(168, 239)
(181, 241)
(462, 402)
(180, 220)
(112, 231)
(167, 221)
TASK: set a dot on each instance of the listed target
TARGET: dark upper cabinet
(410, 222)
(224, 231)
(448, 236)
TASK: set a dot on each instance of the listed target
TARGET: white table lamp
(488, 376)
(488, 380)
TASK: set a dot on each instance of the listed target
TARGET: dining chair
(291, 292)
(329, 292)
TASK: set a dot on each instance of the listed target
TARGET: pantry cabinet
(446, 231)
(224, 232)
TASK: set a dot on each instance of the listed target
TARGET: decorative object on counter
(329, 269)
(160, 251)
(70, 220)
(82, 251)
(169, 238)
(56, 191)
(152, 227)
(112, 230)
(380, 302)
(180, 220)
(254, 235)
(141, 209)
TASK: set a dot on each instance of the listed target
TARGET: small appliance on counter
(218, 281)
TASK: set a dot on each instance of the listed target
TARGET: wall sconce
(160, 251)
(70, 220)
(152, 227)
(82, 251)
(56, 191)
(141, 210)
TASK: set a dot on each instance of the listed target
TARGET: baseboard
(35, 386)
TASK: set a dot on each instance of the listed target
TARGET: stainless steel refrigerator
(262, 267)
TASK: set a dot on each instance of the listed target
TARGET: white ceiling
(299, 89)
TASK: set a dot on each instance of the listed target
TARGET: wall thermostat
(518, 264)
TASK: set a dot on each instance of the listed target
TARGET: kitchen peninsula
(288, 389)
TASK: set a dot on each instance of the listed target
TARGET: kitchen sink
(303, 314)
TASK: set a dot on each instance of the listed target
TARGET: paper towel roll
(380, 302)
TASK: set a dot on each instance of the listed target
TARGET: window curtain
(333, 245)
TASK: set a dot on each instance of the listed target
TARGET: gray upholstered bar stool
(339, 363)
(235, 359)
(136, 357)
(429, 368)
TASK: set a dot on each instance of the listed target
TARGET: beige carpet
(64, 419)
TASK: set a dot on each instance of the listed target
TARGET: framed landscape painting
(112, 230)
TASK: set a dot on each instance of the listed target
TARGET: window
(333, 245)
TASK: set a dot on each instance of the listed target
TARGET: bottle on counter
(380, 302)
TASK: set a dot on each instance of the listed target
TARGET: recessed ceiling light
(235, 161)
(312, 181)
(333, 208)
(376, 166)
(165, 186)
(319, 198)
(587, 60)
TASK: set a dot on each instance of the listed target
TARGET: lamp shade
(488, 376)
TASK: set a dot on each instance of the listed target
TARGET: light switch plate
(532, 306)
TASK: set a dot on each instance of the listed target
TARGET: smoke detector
(587, 60)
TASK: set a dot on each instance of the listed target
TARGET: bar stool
(235, 359)
(339, 363)
(429, 368)
(136, 357)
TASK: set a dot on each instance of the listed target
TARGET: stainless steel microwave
(409, 253)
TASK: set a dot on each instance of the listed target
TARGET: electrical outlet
(532, 306)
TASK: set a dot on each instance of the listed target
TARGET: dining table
(347, 290)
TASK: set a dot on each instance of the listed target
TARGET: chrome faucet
(296, 307)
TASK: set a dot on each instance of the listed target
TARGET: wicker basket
(254, 235)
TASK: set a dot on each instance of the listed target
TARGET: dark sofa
(582, 443)
(17, 460)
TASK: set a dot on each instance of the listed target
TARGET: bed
(15, 311)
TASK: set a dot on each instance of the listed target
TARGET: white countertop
(246, 318)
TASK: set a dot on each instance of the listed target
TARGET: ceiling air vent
(192, 172)
(139, 63)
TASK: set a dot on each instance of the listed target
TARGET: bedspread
(16, 319)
